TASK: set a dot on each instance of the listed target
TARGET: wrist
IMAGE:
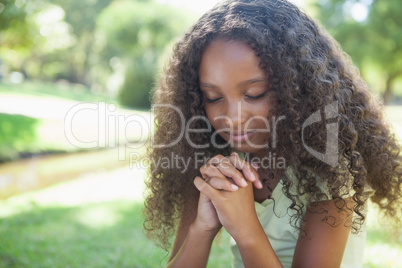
(202, 231)
(249, 235)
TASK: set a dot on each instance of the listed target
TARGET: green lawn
(18, 133)
(107, 234)
(21, 134)
(54, 90)
(32, 119)
(96, 221)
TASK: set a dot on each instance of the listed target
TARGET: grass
(48, 89)
(18, 133)
(106, 234)
(40, 130)
(97, 221)
(21, 136)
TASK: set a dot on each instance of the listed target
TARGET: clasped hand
(226, 195)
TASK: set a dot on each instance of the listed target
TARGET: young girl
(264, 127)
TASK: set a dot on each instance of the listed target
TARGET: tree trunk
(387, 96)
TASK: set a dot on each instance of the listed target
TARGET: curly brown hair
(307, 70)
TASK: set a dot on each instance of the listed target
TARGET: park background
(72, 175)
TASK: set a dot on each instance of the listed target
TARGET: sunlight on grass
(54, 91)
(98, 218)
(100, 214)
(76, 222)
(53, 237)
(95, 187)
(383, 245)
(94, 221)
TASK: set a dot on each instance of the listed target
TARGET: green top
(274, 217)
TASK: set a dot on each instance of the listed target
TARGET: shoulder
(324, 237)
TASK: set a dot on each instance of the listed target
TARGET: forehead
(232, 50)
(223, 58)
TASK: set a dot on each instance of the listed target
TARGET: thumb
(198, 182)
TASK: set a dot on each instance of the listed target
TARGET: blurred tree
(369, 31)
(13, 19)
(98, 43)
(16, 31)
(136, 33)
(81, 15)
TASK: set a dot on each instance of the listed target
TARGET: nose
(235, 115)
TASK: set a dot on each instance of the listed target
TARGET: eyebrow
(244, 83)
(253, 81)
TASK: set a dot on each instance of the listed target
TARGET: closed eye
(256, 97)
(211, 100)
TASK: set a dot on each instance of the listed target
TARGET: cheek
(265, 109)
(261, 109)
(211, 114)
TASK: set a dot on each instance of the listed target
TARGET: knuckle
(223, 166)
(206, 167)
(215, 160)
(235, 159)
(215, 184)
(203, 169)
(203, 186)
(239, 175)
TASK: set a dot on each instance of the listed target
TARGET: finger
(226, 168)
(230, 171)
(216, 160)
(222, 184)
(208, 171)
(220, 181)
(250, 172)
(205, 188)
(221, 167)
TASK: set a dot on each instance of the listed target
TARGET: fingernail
(259, 184)
(243, 182)
(234, 187)
(255, 166)
(252, 177)
(234, 153)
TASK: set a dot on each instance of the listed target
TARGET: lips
(240, 136)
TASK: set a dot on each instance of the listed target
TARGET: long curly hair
(307, 71)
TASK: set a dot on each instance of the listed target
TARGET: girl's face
(236, 95)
